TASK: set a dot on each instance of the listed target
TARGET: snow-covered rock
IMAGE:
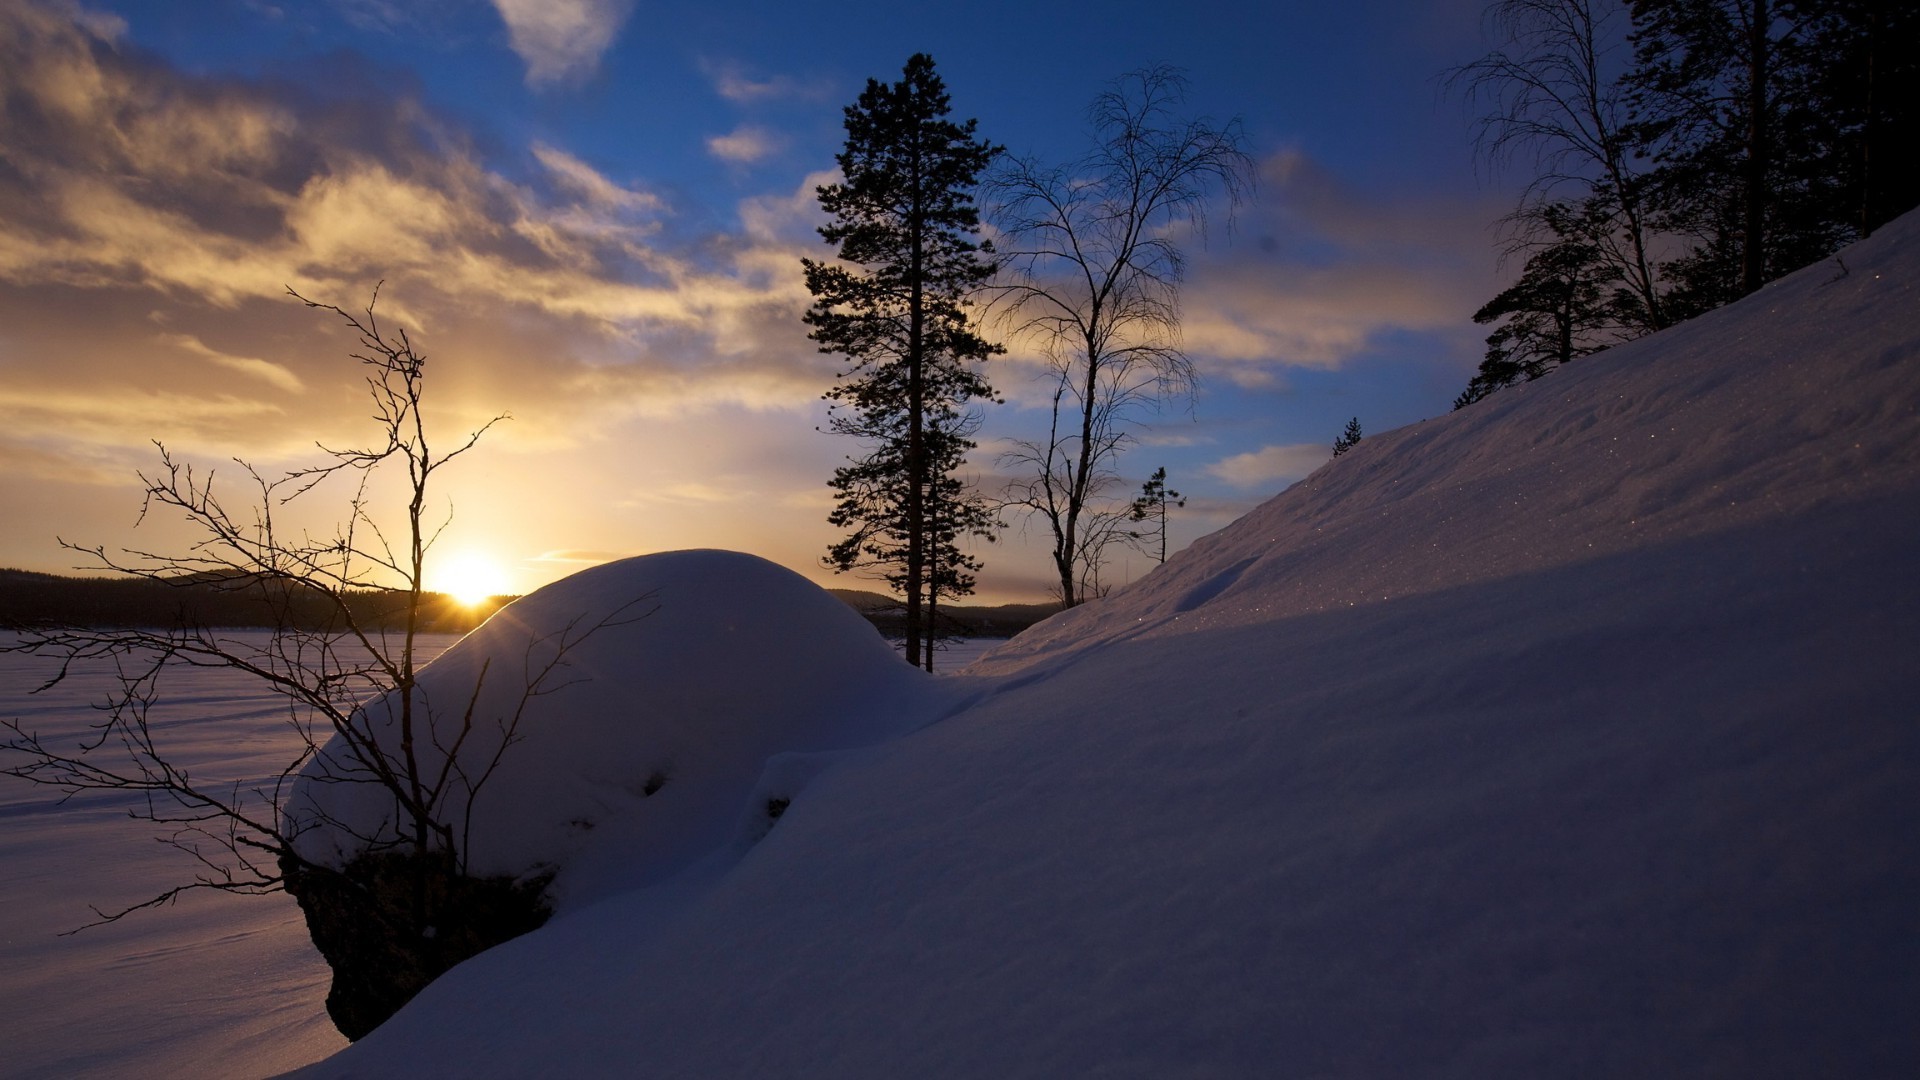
(641, 752)
(1573, 733)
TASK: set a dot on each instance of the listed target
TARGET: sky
(590, 214)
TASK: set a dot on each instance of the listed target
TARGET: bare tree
(1091, 274)
(347, 609)
(1551, 93)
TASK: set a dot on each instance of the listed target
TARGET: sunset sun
(471, 578)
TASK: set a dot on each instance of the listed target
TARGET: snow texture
(212, 986)
(1570, 734)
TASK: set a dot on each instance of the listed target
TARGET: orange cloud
(274, 375)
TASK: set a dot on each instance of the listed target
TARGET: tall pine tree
(896, 306)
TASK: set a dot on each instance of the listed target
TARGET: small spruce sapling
(1348, 439)
(1152, 504)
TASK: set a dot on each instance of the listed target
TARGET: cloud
(576, 558)
(732, 82)
(724, 490)
(744, 146)
(19, 459)
(106, 26)
(562, 40)
(383, 15)
(789, 221)
(266, 371)
(586, 182)
(1270, 464)
(1164, 438)
(151, 220)
(127, 415)
(1318, 272)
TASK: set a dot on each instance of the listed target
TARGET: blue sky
(593, 212)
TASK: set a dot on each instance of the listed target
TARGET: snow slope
(1571, 734)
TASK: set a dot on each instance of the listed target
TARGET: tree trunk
(1759, 138)
(1081, 487)
(916, 420)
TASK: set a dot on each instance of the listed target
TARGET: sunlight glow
(472, 578)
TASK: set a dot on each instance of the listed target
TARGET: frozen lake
(215, 986)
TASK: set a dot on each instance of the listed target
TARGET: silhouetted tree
(1567, 304)
(904, 214)
(1151, 505)
(1551, 95)
(1743, 139)
(1348, 439)
(956, 511)
(1780, 129)
(1092, 276)
(1865, 72)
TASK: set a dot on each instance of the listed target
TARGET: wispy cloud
(1270, 464)
(732, 81)
(266, 371)
(744, 145)
(575, 557)
(22, 460)
(125, 415)
(1317, 272)
(562, 40)
(589, 184)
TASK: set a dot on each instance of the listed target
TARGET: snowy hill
(1574, 733)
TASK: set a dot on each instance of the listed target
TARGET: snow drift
(639, 754)
(1570, 734)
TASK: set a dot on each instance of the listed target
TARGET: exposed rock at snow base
(390, 923)
(1396, 776)
(639, 756)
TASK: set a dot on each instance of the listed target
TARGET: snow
(1572, 733)
(214, 986)
(639, 755)
(1569, 734)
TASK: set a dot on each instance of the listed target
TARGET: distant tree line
(30, 599)
(1681, 154)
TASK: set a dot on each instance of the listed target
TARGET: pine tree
(1348, 439)
(1781, 131)
(1151, 505)
(904, 215)
(1568, 303)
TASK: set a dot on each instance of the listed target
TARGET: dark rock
(390, 923)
